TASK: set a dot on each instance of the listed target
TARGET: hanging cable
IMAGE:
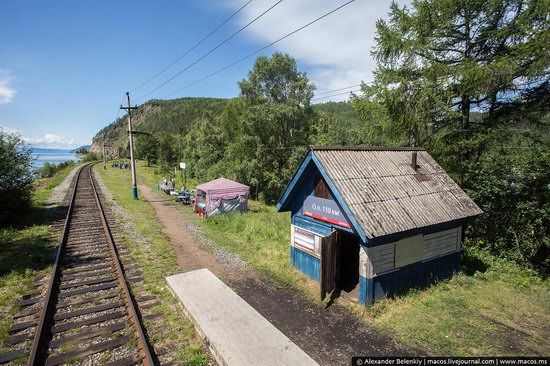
(211, 50)
(192, 48)
(261, 49)
(335, 95)
(335, 90)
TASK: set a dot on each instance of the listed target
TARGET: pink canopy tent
(222, 195)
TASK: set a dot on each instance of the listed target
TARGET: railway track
(88, 315)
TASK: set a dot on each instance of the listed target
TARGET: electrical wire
(335, 95)
(192, 48)
(260, 50)
(335, 90)
(211, 50)
(118, 113)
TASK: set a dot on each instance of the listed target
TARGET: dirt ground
(330, 336)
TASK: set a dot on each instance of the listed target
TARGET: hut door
(329, 263)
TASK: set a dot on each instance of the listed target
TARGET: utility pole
(104, 157)
(132, 161)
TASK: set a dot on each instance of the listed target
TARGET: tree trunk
(465, 104)
(465, 126)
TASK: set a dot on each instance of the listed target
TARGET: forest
(468, 81)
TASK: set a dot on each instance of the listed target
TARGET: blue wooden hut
(372, 222)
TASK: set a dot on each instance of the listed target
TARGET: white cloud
(7, 93)
(48, 140)
(336, 50)
(52, 140)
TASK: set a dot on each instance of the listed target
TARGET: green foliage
(49, 170)
(147, 148)
(470, 81)
(91, 156)
(167, 152)
(515, 195)
(339, 124)
(15, 176)
(203, 148)
(257, 139)
(269, 126)
(26, 250)
(177, 116)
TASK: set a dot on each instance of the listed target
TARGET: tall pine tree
(450, 71)
(469, 80)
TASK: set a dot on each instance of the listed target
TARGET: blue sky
(64, 65)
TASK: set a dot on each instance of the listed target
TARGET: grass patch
(502, 309)
(264, 247)
(44, 186)
(26, 250)
(157, 260)
(492, 307)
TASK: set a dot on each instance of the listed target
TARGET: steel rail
(37, 351)
(143, 346)
(38, 335)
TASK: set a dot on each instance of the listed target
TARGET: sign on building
(324, 210)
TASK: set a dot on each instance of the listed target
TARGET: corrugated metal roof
(384, 193)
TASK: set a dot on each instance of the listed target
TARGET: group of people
(121, 165)
(169, 187)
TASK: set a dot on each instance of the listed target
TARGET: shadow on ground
(26, 244)
(472, 264)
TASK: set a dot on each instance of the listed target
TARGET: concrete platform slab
(237, 334)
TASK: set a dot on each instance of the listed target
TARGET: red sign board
(324, 210)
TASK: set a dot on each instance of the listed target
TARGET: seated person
(183, 196)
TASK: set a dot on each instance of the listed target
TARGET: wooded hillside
(176, 116)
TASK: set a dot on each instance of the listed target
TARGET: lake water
(52, 158)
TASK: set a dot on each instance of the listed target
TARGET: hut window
(321, 188)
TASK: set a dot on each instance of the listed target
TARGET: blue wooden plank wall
(305, 263)
(416, 275)
(313, 225)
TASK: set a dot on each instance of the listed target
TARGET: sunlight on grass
(502, 309)
(487, 313)
(157, 260)
(26, 250)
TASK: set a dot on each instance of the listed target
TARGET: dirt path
(330, 336)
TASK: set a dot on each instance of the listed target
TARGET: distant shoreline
(42, 157)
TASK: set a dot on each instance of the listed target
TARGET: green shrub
(49, 170)
(91, 156)
(15, 176)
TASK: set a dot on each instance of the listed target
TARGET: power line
(335, 95)
(211, 50)
(118, 114)
(335, 90)
(260, 50)
(195, 46)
